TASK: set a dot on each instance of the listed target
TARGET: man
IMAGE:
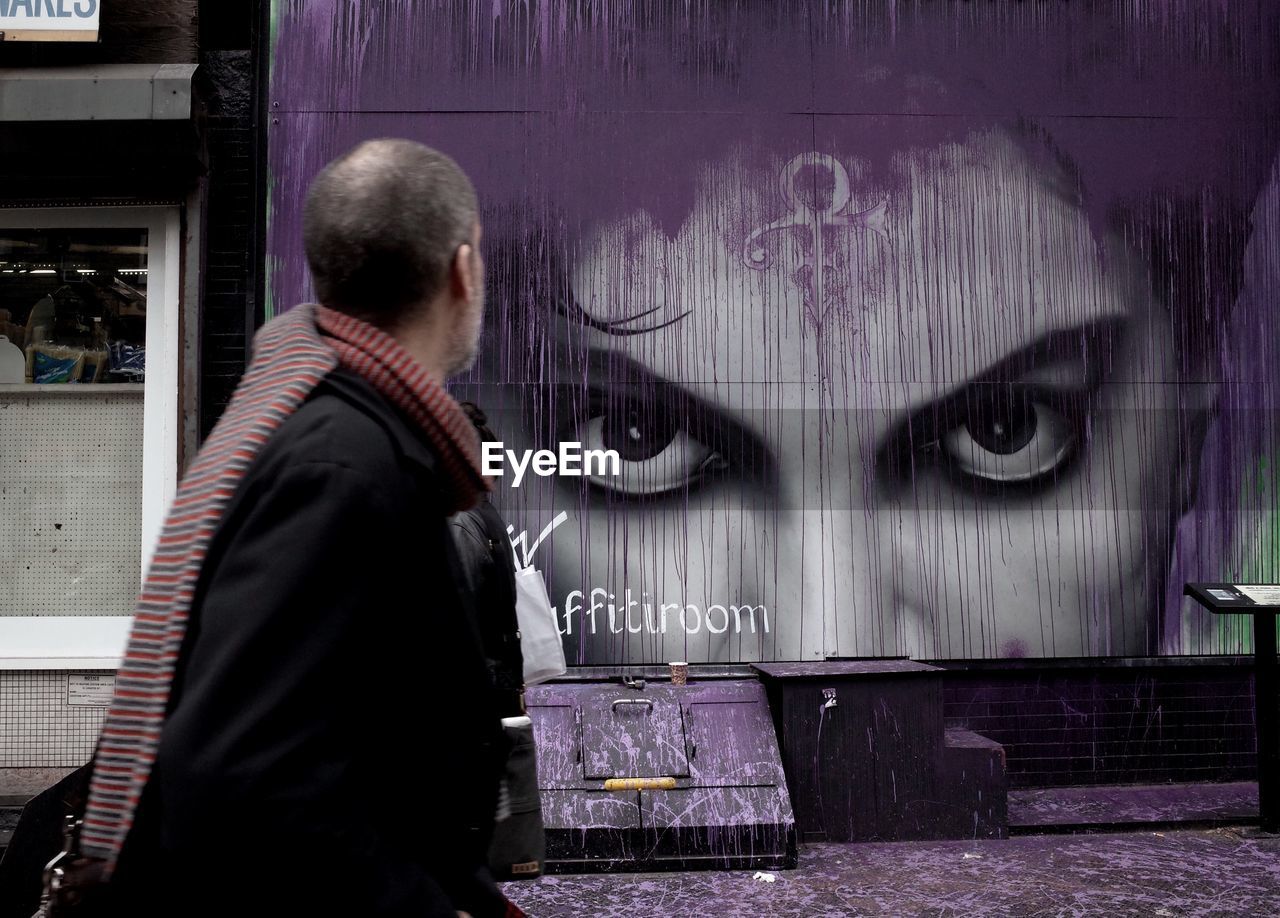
(488, 572)
(292, 774)
(488, 569)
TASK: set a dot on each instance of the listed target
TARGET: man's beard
(467, 341)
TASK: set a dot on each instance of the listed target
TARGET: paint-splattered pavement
(1228, 872)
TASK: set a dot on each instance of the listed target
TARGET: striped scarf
(292, 354)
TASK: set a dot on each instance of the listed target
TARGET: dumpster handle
(630, 701)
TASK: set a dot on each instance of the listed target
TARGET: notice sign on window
(90, 691)
(49, 20)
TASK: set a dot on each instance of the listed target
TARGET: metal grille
(38, 728)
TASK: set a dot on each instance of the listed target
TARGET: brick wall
(227, 295)
(130, 32)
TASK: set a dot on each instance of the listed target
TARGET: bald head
(381, 227)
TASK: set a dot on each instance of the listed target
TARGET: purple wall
(921, 328)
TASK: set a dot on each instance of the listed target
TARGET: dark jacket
(37, 837)
(332, 747)
(489, 572)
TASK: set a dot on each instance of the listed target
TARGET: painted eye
(1012, 438)
(657, 454)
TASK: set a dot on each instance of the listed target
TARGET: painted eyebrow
(1090, 341)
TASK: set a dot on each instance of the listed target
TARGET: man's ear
(462, 275)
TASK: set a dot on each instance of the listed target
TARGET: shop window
(88, 403)
(73, 306)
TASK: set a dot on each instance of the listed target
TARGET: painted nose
(841, 563)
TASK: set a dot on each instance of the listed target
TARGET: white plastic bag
(13, 363)
(539, 640)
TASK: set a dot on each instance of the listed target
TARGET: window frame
(67, 642)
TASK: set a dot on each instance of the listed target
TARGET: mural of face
(920, 329)
(926, 413)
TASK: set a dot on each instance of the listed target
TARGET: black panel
(1110, 721)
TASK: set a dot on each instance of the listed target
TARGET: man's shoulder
(346, 424)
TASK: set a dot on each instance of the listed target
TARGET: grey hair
(381, 225)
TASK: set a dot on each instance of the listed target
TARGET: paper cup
(679, 673)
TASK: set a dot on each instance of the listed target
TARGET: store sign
(49, 20)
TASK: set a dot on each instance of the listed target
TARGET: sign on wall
(49, 20)
(90, 690)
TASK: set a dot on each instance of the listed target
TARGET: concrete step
(976, 784)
